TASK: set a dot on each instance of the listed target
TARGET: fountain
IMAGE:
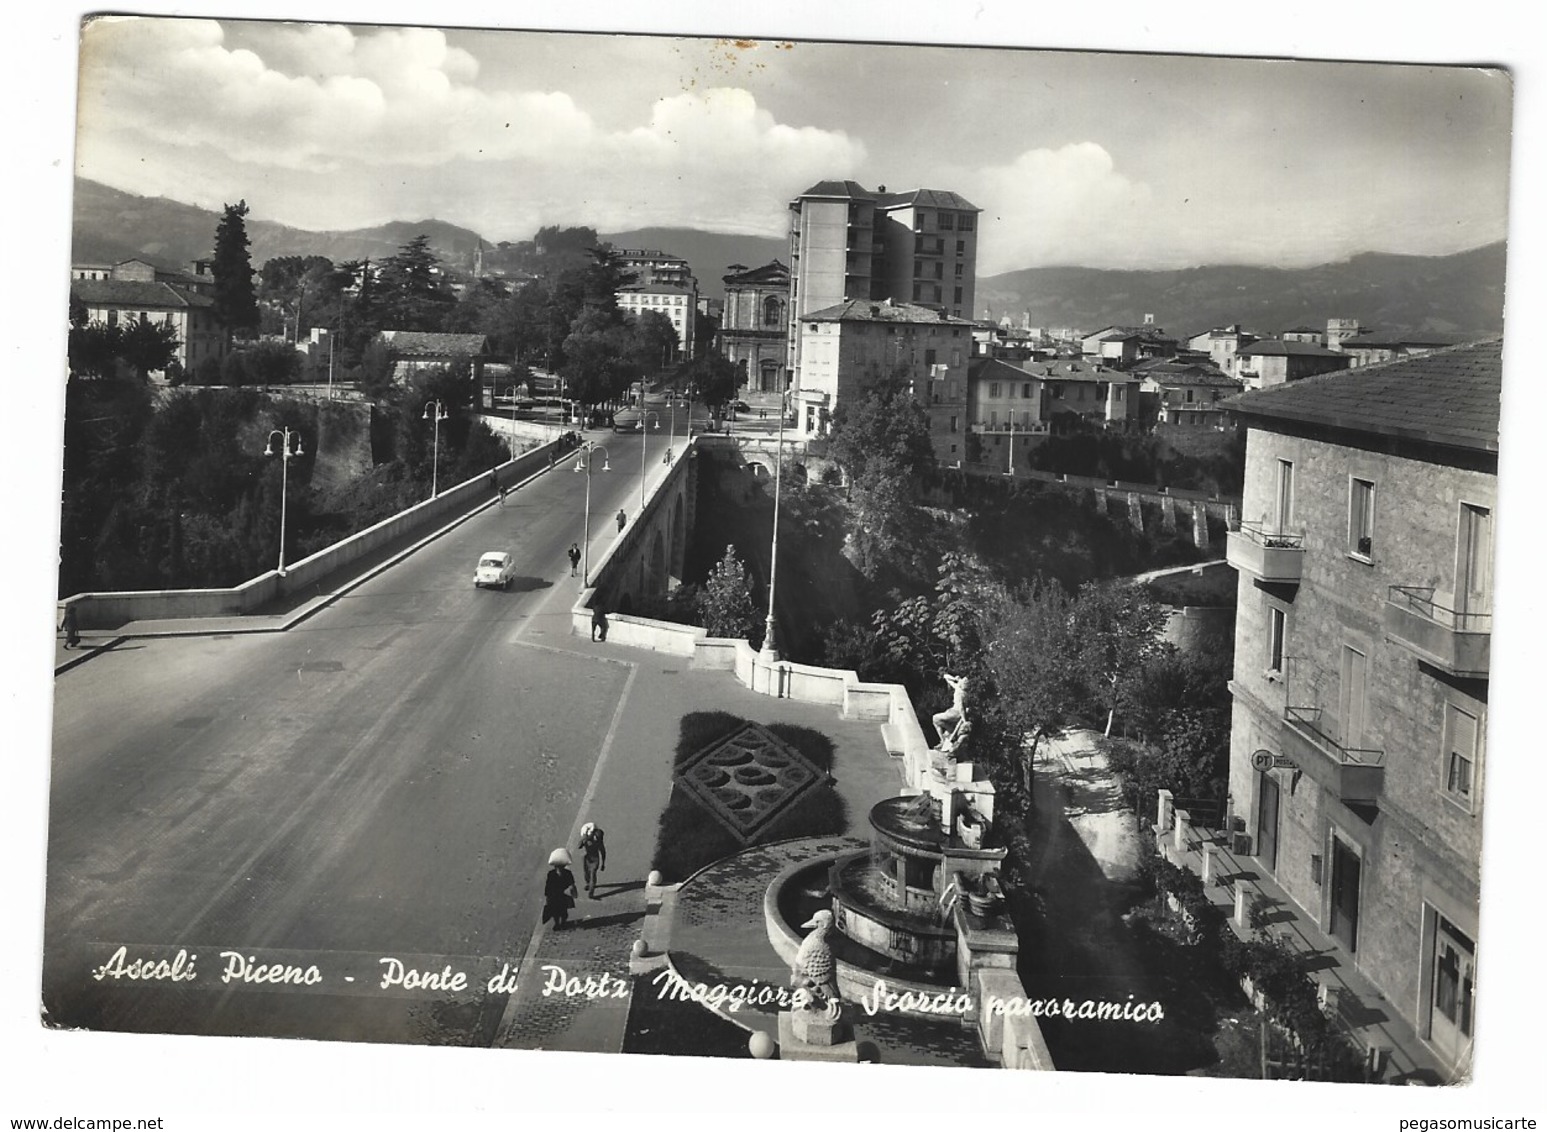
(921, 909)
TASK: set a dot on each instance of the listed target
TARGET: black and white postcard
(886, 548)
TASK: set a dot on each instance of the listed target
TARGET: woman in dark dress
(558, 889)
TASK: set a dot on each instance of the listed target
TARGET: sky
(1099, 159)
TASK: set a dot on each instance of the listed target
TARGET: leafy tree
(93, 349)
(293, 284)
(711, 378)
(883, 427)
(655, 342)
(598, 363)
(236, 302)
(725, 606)
(272, 363)
(146, 345)
(1118, 627)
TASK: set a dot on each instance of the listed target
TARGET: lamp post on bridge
(583, 464)
(285, 453)
(644, 431)
(438, 415)
(770, 650)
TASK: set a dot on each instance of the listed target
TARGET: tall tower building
(847, 242)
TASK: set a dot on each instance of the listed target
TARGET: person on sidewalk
(622, 519)
(574, 558)
(593, 847)
(598, 625)
(71, 629)
(502, 495)
(558, 889)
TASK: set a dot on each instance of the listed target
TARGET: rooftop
(130, 293)
(1449, 397)
(1274, 347)
(839, 189)
(419, 343)
(927, 198)
(1387, 339)
(882, 310)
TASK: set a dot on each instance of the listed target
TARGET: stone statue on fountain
(952, 725)
(816, 1005)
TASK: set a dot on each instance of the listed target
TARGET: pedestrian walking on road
(502, 495)
(593, 847)
(598, 625)
(558, 889)
(72, 632)
(574, 558)
(622, 519)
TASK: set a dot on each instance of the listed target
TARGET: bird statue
(814, 974)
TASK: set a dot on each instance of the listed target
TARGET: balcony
(1272, 556)
(1454, 642)
(1354, 774)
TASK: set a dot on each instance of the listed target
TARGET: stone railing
(109, 610)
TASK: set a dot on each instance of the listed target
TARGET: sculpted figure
(813, 974)
(950, 724)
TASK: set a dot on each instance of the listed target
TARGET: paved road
(383, 781)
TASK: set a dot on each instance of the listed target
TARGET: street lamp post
(286, 451)
(1010, 471)
(644, 431)
(671, 440)
(770, 652)
(583, 464)
(435, 411)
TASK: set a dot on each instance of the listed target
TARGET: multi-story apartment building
(849, 243)
(1361, 666)
(133, 290)
(1004, 409)
(856, 343)
(1221, 344)
(678, 304)
(1369, 346)
(1274, 362)
(653, 267)
(1183, 392)
(753, 324)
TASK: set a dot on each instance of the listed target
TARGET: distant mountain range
(1460, 296)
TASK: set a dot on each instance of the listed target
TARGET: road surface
(369, 796)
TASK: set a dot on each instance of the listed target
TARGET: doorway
(1267, 822)
(1346, 868)
(1455, 967)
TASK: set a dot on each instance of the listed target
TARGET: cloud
(335, 127)
(1058, 206)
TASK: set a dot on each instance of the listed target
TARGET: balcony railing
(1355, 774)
(1456, 642)
(1273, 556)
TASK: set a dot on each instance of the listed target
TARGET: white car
(496, 569)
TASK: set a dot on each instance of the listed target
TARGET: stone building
(1361, 666)
(754, 322)
(134, 290)
(853, 344)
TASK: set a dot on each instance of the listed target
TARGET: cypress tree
(236, 301)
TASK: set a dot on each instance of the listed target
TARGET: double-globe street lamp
(583, 464)
(287, 450)
(644, 433)
(434, 410)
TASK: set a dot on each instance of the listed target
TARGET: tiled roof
(127, 293)
(1448, 397)
(1390, 339)
(773, 271)
(1078, 369)
(654, 289)
(928, 198)
(874, 310)
(1187, 373)
(839, 189)
(424, 344)
(997, 369)
(1276, 348)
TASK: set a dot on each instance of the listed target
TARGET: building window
(1278, 626)
(918, 221)
(961, 247)
(959, 268)
(993, 418)
(1286, 495)
(1058, 392)
(953, 427)
(946, 222)
(993, 389)
(1460, 755)
(967, 222)
(958, 297)
(1361, 517)
(1352, 700)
